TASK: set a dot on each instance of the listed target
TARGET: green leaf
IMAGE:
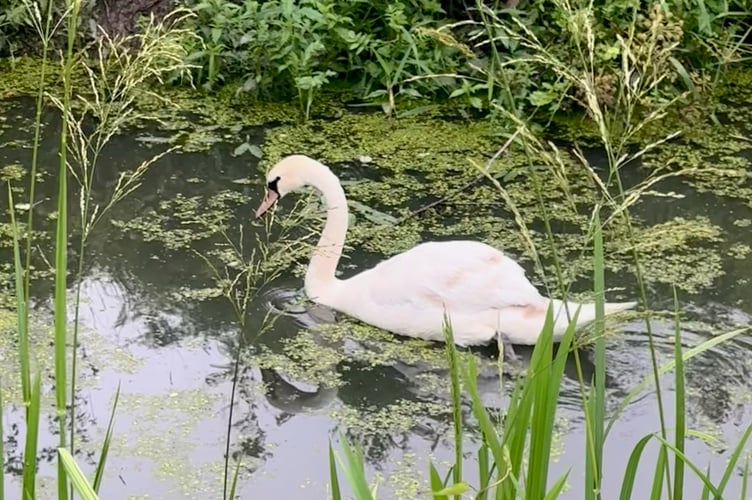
(76, 477)
(436, 483)
(455, 489)
(99, 473)
(679, 399)
(541, 97)
(683, 74)
(333, 479)
(21, 313)
(630, 473)
(734, 459)
(32, 436)
(354, 470)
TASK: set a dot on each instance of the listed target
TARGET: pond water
(152, 323)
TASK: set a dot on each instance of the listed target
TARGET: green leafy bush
(684, 44)
(280, 48)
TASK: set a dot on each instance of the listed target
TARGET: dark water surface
(171, 354)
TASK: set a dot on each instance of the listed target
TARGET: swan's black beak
(269, 200)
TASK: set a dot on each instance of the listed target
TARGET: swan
(485, 293)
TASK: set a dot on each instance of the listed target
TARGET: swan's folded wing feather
(463, 278)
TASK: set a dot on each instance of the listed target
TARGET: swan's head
(289, 174)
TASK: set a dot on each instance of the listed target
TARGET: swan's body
(483, 291)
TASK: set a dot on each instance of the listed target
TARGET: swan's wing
(462, 276)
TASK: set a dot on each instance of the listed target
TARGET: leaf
(436, 483)
(248, 148)
(455, 489)
(541, 98)
(683, 74)
(77, 478)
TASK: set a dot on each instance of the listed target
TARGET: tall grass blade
(597, 403)
(32, 436)
(333, 478)
(745, 479)
(234, 485)
(733, 460)
(687, 355)
(520, 411)
(484, 472)
(61, 268)
(627, 484)
(679, 399)
(436, 483)
(705, 490)
(700, 475)
(658, 475)
(77, 478)
(21, 303)
(544, 381)
(61, 241)
(557, 488)
(354, 470)
(454, 373)
(99, 473)
(487, 428)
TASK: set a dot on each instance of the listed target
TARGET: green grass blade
(61, 267)
(745, 479)
(333, 478)
(557, 488)
(658, 475)
(234, 485)
(734, 459)
(32, 436)
(686, 356)
(454, 373)
(627, 484)
(99, 473)
(76, 477)
(354, 470)
(436, 483)
(597, 401)
(700, 475)
(484, 420)
(484, 472)
(705, 490)
(21, 313)
(520, 413)
(544, 381)
(680, 411)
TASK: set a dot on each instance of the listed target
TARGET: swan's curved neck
(321, 283)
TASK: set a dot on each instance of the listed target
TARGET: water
(172, 354)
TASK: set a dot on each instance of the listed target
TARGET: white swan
(484, 292)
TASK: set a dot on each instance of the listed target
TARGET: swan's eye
(272, 185)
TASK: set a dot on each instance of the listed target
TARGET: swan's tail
(563, 313)
(523, 325)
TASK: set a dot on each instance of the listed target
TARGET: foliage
(279, 47)
(687, 44)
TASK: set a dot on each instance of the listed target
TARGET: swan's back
(460, 275)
